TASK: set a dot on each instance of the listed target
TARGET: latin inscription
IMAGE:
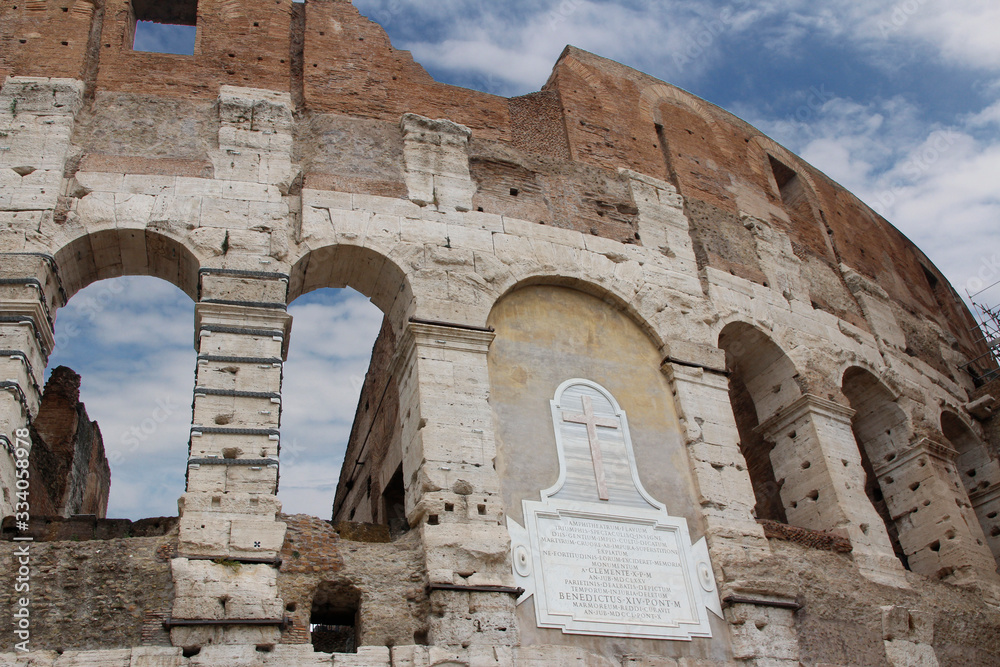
(613, 571)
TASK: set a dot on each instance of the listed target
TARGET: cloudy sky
(899, 101)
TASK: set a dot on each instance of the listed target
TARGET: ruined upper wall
(550, 157)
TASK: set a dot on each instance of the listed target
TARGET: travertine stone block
(437, 163)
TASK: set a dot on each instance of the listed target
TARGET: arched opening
(341, 388)
(880, 428)
(122, 348)
(762, 381)
(328, 359)
(128, 343)
(980, 473)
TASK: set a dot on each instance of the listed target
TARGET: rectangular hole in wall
(165, 27)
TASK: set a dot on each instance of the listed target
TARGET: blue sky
(899, 101)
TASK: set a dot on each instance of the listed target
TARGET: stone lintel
(923, 447)
(806, 404)
(985, 496)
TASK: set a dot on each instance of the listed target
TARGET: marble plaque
(597, 552)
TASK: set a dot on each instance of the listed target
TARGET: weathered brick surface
(70, 472)
(88, 594)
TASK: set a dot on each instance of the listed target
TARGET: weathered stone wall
(686, 250)
(90, 594)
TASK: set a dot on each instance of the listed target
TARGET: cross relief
(592, 421)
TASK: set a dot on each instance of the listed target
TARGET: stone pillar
(818, 464)
(452, 489)
(763, 630)
(30, 292)
(986, 504)
(229, 533)
(713, 442)
(938, 527)
(436, 155)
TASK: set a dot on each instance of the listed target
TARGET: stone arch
(655, 95)
(113, 253)
(589, 286)
(758, 366)
(881, 429)
(980, 474)
(373, 274)
(550, 331)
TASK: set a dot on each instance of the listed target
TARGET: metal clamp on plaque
(598, 553)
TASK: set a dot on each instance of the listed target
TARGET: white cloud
(332, 337)
(132, 344)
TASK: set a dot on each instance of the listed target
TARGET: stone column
(452, 489)
(986, 504)
(713, 442)
(938, 528)
(30, 292)
(760, 612)
(225, 573)
(817, 461)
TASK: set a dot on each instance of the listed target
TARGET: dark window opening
(394, 505)
(661, 134)
(333, 618)
(932, 280)
(757, 452)
(793, 193)
(164, 27)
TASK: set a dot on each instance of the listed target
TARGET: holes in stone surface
(514, 192)
(190, 651)
(806, 465)
(482, 510)
(432, 519)
(991, 515)
(864, 528)
(265, 648)
(760, 624)
(889, 480)
(793, 434)
(449, 507)
(291, 606)
(971, 473)
(995, 531)
(914, 486)
(65, 43)
(936, 546)
(813, 495)
(256, 24)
